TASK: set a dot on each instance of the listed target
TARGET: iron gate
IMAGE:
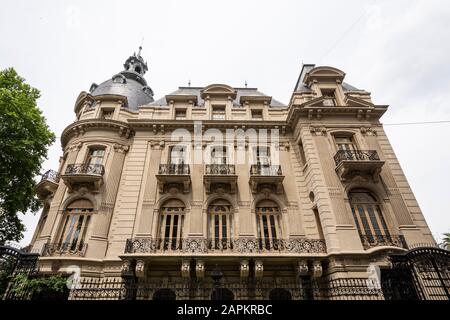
(420, 274)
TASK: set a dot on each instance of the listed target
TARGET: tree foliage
(446, 241)
(24, 139)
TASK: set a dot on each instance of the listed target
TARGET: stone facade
(321, 197)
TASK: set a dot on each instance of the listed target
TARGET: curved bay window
(368, 217)
(220, 225)
(268, 224)
(171, 225)
(74, 230)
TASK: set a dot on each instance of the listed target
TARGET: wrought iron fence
(370, 241)
(265, 170)
(174, 169)
(85, 168)
(64, 249)
(356, 155)
(220, 169)
(50, 175)
(207, 289)
(239, 245)
(420, 274)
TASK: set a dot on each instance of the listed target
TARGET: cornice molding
(78, 128)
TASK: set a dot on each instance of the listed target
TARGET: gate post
(129, 280)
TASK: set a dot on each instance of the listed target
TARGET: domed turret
(129, 83)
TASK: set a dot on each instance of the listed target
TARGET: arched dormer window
(171, 222)
(220, 225)
(268, 224)
(368, 216)
(75, 226)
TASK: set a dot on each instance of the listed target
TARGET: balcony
(84, 175)
(64, 249)
(358, 162)
(47, 185)
(173, 176)
(266, 177)
(220, 176)
(383, 240)
(247, 245)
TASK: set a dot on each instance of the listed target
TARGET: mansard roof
(199, 94)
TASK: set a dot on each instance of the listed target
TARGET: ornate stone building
(220, 186)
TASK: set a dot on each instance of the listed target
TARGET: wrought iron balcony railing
(265, 170)
(356, 155)
(64, 249)
(174, 169)
(50, 175)
(220, 169)
(85, 168)
(240, 245)
(370, 241)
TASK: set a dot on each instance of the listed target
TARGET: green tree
(24, 139)
(446, 241)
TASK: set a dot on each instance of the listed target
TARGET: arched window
(74, 230)
(220, 225)
(164, 294)
(171, 225)
(279, 294)
(368, 215)
(268, 224)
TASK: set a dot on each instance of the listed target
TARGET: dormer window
(107, 114)
(218, 113)
(257, 115)
(329, 96)
(180, 114)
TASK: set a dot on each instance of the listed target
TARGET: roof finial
(139, 53)
(246, 83)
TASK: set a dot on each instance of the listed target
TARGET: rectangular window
(257, 115)
(269, 228)
(180, 114)
(345, 143)
(220, 227)
(329, 97)
(73, 233)
(171, 224)
(107, 114)
(177, 155)
(219, 155)
(95, 156)
(218, 113)
(302, 157)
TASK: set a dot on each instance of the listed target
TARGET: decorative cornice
(80, 127)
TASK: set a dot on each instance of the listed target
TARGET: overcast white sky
(398, 50)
